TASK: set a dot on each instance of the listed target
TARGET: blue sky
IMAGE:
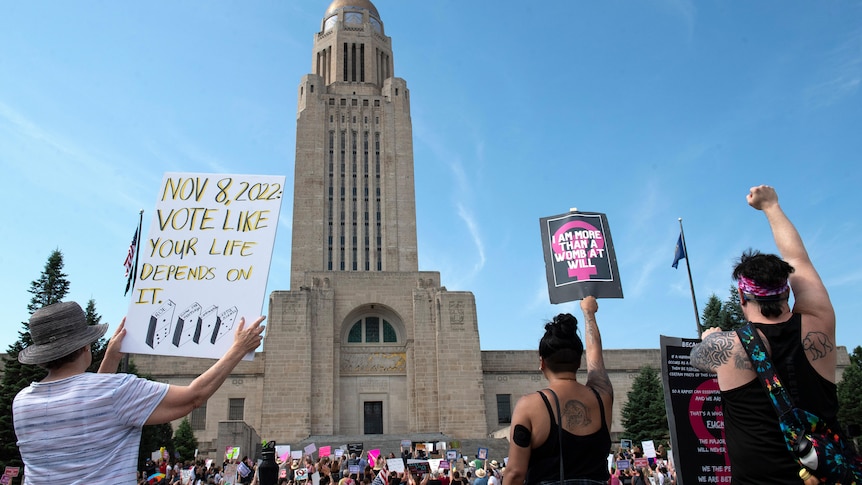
(647, 111)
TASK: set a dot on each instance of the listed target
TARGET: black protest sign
(695, 416)
(579, 257)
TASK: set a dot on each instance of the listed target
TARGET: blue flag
(679, 253)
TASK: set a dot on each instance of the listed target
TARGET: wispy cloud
(470, 221)
(686, 11)
(842, 73)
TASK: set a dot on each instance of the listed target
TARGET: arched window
(372, 330)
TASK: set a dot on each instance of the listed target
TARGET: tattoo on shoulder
(741, 360)
(576, 414)
(817, 345)
(714, 351)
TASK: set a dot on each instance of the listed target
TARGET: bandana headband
(762, 293)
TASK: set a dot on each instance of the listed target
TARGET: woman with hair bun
(538, 440)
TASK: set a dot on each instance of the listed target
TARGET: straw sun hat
(58, 330)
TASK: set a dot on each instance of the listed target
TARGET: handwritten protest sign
(204, 263)
(579, 257)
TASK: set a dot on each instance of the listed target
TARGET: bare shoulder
(719, 349)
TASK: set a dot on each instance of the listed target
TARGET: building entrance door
(373, 417)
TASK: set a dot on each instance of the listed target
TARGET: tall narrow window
(235, 409)
(198, 419)
(504, 408)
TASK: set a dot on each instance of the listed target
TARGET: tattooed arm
(713, 351)
(597, 374)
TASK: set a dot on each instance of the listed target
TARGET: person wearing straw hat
(77, 427)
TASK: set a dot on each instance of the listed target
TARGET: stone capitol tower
(363, 342)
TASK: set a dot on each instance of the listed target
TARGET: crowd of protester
(337, 471)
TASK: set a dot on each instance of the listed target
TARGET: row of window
(235, 412)
(353, 102)
(367, 330)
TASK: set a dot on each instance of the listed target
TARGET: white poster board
(204, 263)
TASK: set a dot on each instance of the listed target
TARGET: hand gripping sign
(579, 257)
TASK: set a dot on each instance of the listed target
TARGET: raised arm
(113, 356)
(181, 400)
(809, 294)
(597, 375)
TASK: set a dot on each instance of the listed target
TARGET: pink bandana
(749, 287)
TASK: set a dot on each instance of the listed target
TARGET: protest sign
(579, 257)
(418, 467)
(648, 448)
(310, 449)
(482, 454)
(204, 263)
(395, 465)
(695, 415)
(373, 455)
(231, 452)
(282, 452)
(325, 451)
(355, 448)
(230, 474)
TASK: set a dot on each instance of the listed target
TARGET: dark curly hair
(561, 348)
(766, 270)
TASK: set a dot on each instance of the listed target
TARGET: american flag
(130, 257)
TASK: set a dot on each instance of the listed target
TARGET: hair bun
(563, 326)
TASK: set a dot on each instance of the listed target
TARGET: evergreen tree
(731, 312)
(644, 415)
(185, 441)
(849, 390)
(51, 287)
(153, 438)
(711, 313)
(98, 347)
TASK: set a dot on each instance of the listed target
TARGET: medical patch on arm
(521, 436)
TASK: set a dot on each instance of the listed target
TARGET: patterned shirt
(84, 429)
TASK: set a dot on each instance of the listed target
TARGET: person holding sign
(102, 414)
(801, 341)
(567, 421)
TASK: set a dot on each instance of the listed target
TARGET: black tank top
(583, 456)
(758, 454)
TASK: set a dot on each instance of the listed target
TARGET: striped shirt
(84, 429)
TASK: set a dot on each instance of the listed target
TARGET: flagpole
(124, 363)
(690, 282)
(140, 245)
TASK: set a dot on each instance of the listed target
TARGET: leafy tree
(51, 287)
(185, 441)
(644, 415)
(849, 390)
(711, 313)
(731, 312)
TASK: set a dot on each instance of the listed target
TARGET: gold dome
(339, 4)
